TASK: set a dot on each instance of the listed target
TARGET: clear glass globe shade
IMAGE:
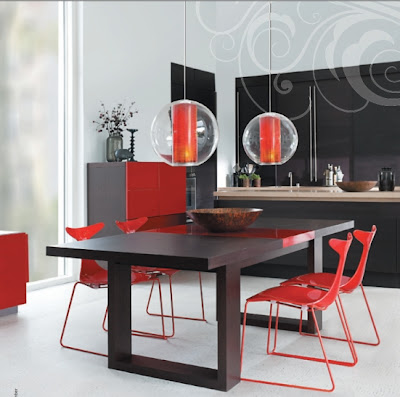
(270, 139)
(184, 133)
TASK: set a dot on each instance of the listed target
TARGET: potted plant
(114, 122)
(244, 180)
(256, 180)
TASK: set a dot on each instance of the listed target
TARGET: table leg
(120, 357)
(228, 307)
(119, 314)
(315, 265)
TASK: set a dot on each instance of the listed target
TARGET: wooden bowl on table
(219, 220)
(356, 186)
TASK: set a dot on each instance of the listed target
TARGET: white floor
(33, 364)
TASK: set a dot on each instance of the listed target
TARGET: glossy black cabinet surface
(345, 116)
(377, 127)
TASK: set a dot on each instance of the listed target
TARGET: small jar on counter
(386, 179)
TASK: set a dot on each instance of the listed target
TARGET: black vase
(386, 178)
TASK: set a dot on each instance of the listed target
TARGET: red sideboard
(128, 190)
(14, 270)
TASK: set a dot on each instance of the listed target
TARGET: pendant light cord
(270, 58)
(270, 74)
(184, 50)
(184, 60)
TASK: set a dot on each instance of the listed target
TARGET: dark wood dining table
(189, 247)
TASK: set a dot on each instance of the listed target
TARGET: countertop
(305, 193)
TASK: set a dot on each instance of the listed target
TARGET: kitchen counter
(365, 208)
(306, 193)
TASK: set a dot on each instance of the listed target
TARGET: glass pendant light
(270, 138)
(184, 132)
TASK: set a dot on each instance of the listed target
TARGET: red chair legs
(274, 352)
(349, 338)
(378, 341)
(372, 321)
(162, 315)
(65, 324)
(202, 318)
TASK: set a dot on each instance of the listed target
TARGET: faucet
(290, 175)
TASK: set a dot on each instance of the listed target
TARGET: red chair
(132, 226)
(347, 284)
(94, 276)
(304, 298)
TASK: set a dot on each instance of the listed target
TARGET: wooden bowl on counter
(219, 220)
(356, 186)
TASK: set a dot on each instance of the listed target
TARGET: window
(29, 133)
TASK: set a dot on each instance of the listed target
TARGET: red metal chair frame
(305, 299)
(132, 226)
(94, 276)
(347, 284)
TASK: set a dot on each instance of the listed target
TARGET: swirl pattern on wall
(312, 36)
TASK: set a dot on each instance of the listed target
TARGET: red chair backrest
(342, 248)
(88, 266)
(84, 233)
(365, 238)
(131, 226)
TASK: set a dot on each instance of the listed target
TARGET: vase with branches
(114, 121)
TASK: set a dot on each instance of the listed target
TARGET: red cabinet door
(154, 189)
(14, 272)
(172, 189)
(141, 175)
(142, 202)
(141, 189)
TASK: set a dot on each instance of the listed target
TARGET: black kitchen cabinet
(335, 124)
(332, 107)
(377, 126)
(296, 105)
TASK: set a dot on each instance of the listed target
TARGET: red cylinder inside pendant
(270, 140)
(184, 136)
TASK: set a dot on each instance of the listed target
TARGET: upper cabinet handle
(237, 127)
(315, 133)
(311, 131)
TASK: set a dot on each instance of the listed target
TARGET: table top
(189, 247)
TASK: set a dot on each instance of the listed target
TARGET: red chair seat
(294, 295)
(100, 278)
(167, 272)
(95, 280)
(321, 280)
